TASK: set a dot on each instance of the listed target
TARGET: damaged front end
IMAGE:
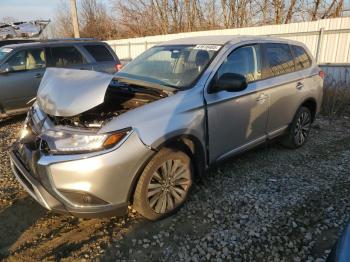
(64, 160)
(118, 99)
(78, 103)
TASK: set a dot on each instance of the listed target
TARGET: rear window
(302, 60)
(280, 59)
(65, 56)
(99, 52)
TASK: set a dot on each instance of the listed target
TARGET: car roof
(43, 43)
(225, 39)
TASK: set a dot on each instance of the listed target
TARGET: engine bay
(119, 98)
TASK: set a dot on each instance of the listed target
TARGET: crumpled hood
(69, 92)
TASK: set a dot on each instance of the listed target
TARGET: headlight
(80, 142)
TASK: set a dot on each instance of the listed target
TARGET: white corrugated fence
(328, 39)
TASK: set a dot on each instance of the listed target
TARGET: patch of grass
(336, 96)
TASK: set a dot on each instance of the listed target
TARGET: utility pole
(73, 7)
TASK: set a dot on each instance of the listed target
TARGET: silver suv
(93, 143)
(22, 67)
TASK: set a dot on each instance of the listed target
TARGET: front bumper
(108, 176)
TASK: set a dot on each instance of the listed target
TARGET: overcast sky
(29, 9)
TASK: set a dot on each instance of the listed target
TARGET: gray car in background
(95, 143)
(23, 65)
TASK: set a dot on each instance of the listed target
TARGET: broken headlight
(65, 142)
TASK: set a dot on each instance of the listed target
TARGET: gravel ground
(270, 204)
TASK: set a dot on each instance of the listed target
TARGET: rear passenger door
(67, 56)
(104, 61)
(309, 73)
(284, 81)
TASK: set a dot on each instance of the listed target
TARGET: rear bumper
(50, 202)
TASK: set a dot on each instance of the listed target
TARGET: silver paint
(68, 92)
(225, 123)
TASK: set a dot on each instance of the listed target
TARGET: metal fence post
(129, 50)
(319, 44)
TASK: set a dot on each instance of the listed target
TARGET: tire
(299, 130)
(159, 194)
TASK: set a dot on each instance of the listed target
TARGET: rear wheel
(299, 130)
(164, 184)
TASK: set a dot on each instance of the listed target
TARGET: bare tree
(315, 10)
(134, 18)
(62, 21)
(290, 11)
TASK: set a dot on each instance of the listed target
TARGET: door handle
(261, 97)
(38, 75)
(299, 85)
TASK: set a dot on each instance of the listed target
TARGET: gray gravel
(270, 204)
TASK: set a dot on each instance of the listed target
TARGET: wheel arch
(311, 104)
(189, 144)
(192, 146)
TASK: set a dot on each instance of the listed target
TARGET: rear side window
(65, 56)
(99, 52)
(302, 60)
(279, 59)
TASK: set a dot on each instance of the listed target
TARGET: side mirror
(230, 82)
(5, 68)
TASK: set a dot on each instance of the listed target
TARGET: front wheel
(299, 130)
(164, 184)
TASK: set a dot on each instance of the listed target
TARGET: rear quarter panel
(313, 86)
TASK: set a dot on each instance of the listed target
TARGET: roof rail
(68, 39)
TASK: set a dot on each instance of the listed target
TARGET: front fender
(157, 122)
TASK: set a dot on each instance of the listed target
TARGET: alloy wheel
(302, 128)
(169, 186)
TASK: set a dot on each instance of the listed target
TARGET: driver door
(237, 120)
(20, 84)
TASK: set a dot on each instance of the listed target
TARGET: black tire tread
(140, 203)
(288, 140)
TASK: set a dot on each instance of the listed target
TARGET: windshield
(175, 66)
(4, 51)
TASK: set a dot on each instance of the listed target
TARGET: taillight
(118, 67)
(321, 74)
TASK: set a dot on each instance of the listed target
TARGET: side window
(65, 56)
(27, 60)
(99, 52)
(244, 61)
(17, 62)
(302, 60)
(279, 58)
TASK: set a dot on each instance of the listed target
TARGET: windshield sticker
(6, 50)
(208, 47)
